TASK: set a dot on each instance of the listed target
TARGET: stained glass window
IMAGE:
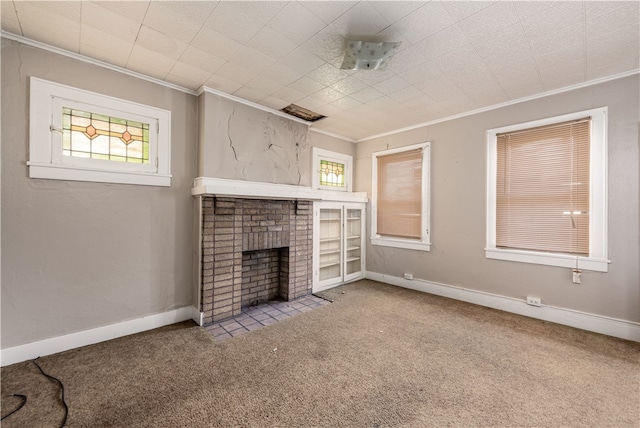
(95, 136)
(331, 173)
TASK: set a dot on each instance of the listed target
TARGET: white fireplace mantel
(209, 186)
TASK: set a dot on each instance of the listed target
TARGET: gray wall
(79, 255)
(458, 207)
(243, 143)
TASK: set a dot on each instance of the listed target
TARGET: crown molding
(506, 104)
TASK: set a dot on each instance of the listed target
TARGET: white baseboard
(591, 322)
(88, 337)
(197, 316)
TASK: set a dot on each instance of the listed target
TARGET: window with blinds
(542, 188)
(400, 203)
(400, 194)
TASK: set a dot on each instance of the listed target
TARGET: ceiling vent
(302, 113)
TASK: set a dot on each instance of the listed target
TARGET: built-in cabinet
(338, 243)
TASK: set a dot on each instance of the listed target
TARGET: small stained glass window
(331, 173)
(95, 136)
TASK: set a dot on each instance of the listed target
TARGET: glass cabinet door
(330, 263)
(353, 231)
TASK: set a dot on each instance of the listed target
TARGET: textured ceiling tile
(201, 59)
(529, 9)
(427, 20)
(104, 46)
(62, 34)
(288, 94)
(160, 43)
(215, 43)
(306, 86)
(460, 10)
(326, 45)
(442, 42)
(134, 10)
(515, 91)
(543, 37)
(302, 61)
(37, 24)
(311, 103)
(327, 95)
(362, 20)
(459, 104)
(188, 75)
(603, 21)
(394, 11)
(372, 77)
(222, 84)
(514, 71)
(391, 85)
(184, 18)
(366, 95)
(327, 74)
(409, 57)
(440, 89)
(236, 73)
(264, 85)
(149, 62)
(346, 103)
(328, 11)
(295, 22)
(100, 18)
(282, 74)
(406, 94)
(487, 95)
(612, 63)
(242, 20)
(69, 10)
(9, 18)
(349, 85)
(489, 20)
(252, 60)
(249, 94)
(508, 41)
(273, 43)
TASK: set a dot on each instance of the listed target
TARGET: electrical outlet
(534, 301)
(408, 275)
(577, 274)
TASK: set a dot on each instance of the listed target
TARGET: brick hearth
(253, 250)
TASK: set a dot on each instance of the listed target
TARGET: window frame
(327, 155)
(424, 243)
(45, 137)
(597, 259)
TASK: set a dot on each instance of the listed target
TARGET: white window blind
(542, 188)
(399, 209)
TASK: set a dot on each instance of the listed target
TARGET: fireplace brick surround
(273, 237)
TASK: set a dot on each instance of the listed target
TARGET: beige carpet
(379, 356)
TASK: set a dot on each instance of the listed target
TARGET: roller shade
(542, 194)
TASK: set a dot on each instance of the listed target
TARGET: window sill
(61, 172)
(401, 243)
(549, 259)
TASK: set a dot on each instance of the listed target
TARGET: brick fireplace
(253, 250)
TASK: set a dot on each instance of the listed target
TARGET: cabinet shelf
(328, 264)
(339, 247)
(325, 252)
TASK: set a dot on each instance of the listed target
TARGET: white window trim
(423, 244)
(597, 259)
(45, 138)
(322, 154)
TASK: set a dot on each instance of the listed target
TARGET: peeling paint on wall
(242, 143)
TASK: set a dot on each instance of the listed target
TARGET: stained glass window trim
(102, 159)
(331, 170)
